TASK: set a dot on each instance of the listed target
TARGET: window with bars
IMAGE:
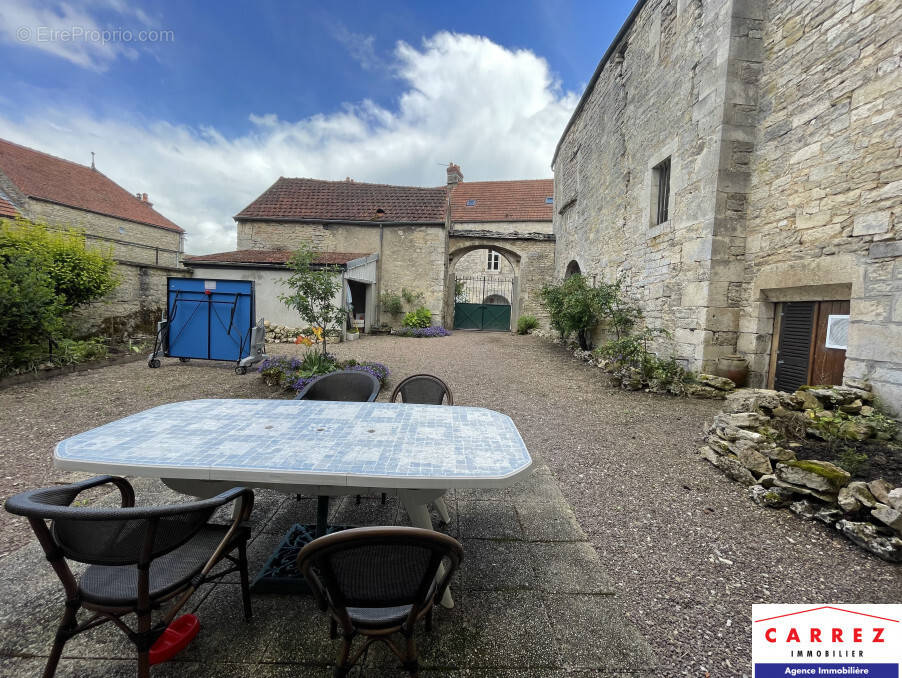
(661, 176)
(494, 262)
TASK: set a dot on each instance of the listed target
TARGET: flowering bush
(422, 332)
(296, 373)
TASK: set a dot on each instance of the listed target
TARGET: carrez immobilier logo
(826, 640)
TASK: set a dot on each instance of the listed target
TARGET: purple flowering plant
(422, 332)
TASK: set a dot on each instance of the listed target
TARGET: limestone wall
(145, 256)
(532, 262)
(475, 263)
(662, 94)
(826, 187)
(128, 241)
(132, 308)
(409, 256)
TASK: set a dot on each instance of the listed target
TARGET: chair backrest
(424, 389)
(373, 567)
(112, 536)
(345, 385)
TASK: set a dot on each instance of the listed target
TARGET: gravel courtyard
(686, 551)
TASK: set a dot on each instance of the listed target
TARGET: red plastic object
(174, 639)
(208, 292)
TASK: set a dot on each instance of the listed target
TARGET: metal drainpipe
(378, 304)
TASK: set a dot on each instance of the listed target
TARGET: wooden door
(826, 363)
(802, 356)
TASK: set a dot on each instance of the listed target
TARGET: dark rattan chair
(423, 389)
(426, 389)
(139, 558)
(379, 581)
(344, 385)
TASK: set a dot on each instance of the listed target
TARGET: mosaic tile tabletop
(307, 442)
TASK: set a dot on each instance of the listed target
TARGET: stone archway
(572, 269)
(511, 292)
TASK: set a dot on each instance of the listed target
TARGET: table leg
(442, 509)
(419, 517)
(322, 515)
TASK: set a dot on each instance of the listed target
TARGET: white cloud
(496, 112)
(72, 33)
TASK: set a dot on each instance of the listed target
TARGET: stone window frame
(493, 263)
(650, 188)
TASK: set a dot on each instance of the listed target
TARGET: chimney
(144, 197)
(138, 196)
(455, 176)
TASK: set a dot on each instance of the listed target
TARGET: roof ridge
(55, 157)
(354, 182)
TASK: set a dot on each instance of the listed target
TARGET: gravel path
(688, 552)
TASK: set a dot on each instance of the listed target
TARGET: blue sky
(234, 95)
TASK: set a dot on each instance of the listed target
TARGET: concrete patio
(531, 599)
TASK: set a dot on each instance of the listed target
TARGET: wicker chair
(426, 389)
(344, 385)
(423, 389)
(138, 558)
(379, 581)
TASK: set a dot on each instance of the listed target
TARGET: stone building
(738, 163)
(416, 236)
(145, 245)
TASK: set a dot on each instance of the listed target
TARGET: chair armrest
(126, 491)
(40, 502)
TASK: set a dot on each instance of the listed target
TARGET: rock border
(744, 446)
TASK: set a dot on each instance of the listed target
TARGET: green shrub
(422, 317)
(526, 323)
(851, 461)
(391, 303)
(44, 274)
(74, 352)
(630, 353)
(413, 298)
(575, 306)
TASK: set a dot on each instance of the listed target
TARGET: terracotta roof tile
(271, 257)
(46, 177)
(523, 200)
(7, 209)
(313, 199)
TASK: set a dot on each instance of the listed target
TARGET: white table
(202, 447)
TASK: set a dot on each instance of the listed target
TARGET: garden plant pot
(733, 367)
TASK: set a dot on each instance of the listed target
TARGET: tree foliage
(77, 275)
(576, 306)
(44, 274)
(314, 291)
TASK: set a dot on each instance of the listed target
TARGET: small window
(661, 177)
(494, 263)
(549, 201)
(837, 332)
(121, 230)
(470, 203)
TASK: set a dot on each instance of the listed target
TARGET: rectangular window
(661, 177)
(494, 262)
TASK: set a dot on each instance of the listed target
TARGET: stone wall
(129, 241)
(134, 307)
(781, 121)
(145, 256)
(662, 94)
(474, 264)
(532, 262)
(409, 256)
(824, 204)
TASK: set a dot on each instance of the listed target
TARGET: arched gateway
(483, 281)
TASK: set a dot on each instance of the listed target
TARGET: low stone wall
(744, 443)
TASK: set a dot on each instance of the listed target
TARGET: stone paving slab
(531, 599)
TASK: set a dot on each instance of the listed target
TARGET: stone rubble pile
(703, 386)
(742, 444)
(280, 334)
